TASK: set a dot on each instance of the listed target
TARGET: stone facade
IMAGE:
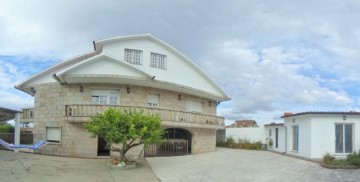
(49, 111)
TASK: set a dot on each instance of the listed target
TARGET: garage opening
(177, 141)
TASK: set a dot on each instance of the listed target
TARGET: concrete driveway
(244, 165)
(49, 168)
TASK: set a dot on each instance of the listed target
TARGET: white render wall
(281, 138)
(317, 134)
(178, 71)
(252, 134)
(304, 123)
(323, 129)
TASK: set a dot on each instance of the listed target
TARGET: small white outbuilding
(312, 134)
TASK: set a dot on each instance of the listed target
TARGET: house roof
(287, 115)
(7, 114)
(274, 124)
(58, 71)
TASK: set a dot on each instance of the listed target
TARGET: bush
(328, 158)
(354, 158)
(6, 128)
(221, 144)
(230, 142)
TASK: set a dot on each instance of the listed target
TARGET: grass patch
(351, 162)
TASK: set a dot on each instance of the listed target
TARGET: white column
(17, 130)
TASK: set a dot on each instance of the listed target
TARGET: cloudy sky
(269, 56)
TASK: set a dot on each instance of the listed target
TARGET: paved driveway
(50, 168)
(244, 165)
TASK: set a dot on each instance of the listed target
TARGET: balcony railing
(165, 114)
(27, 113)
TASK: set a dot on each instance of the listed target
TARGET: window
(194, 106)
(158, 61)
(53, 134)
(133, 56)
(153, 100)
(343, 138)
(105, 97)
(295, 138)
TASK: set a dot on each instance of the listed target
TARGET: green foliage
(243, 144)
(6, 128)
(354, 158)
(128, 128)
(270, 143)
(230, 142)
(221, 144)
(327, 159)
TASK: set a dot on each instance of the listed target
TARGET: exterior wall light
(344, 117)
(209, 103)
(179, 97)
(128, 90)
(81, 88)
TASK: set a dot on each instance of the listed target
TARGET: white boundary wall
(252, 134)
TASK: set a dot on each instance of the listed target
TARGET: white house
(312, 134)
(140, 72)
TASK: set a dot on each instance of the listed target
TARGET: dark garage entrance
(177, 141)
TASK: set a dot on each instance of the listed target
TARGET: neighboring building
(139, 72)
(243, 124)
(312, 134)
(275, 139)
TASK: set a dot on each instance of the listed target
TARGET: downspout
(57, 78)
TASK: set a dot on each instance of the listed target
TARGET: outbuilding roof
(287, 114)
(7, 114)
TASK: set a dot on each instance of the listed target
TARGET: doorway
(103, 149)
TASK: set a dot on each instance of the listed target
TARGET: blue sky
(269, 56)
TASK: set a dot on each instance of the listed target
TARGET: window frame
(343, 137)
(56, 141)
(104, 93)
(130, 56)
(152, 104)
(295, 138)
(156, 60)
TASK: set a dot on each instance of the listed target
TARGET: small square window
(133, 56)
(158, 61)
(53, 134)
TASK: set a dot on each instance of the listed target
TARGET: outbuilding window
(343, 138)
(295, 138)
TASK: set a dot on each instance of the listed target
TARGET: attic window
(133, 56)
(158, 61)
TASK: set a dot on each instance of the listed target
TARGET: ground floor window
(295, 145)
(343, 138)
(53, 134)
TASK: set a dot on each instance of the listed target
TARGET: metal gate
(168, 148)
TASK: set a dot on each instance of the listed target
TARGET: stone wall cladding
(49, 110)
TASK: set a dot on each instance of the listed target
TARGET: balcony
(27, 115)
(82, 113)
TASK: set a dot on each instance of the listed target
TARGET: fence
(168, 148)
(25, 138)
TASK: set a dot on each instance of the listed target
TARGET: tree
(127, 128)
